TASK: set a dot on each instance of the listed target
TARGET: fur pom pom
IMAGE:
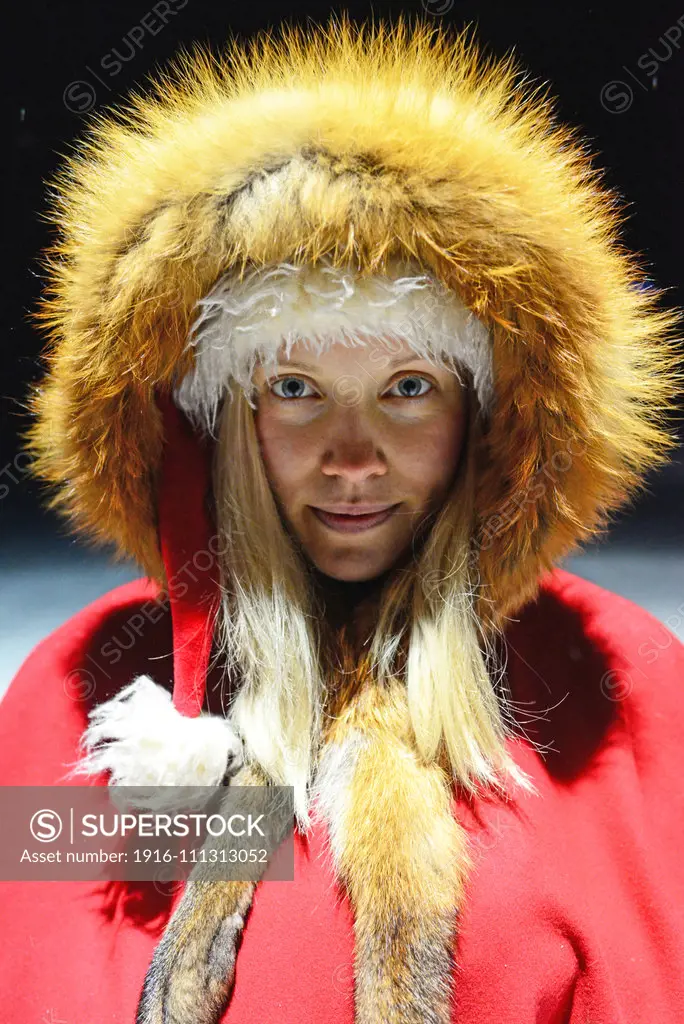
(142, 740)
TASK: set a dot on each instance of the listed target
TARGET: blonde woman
(346, 353)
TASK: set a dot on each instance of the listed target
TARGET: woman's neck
(350, 602)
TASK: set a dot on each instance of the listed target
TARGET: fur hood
(356, 144)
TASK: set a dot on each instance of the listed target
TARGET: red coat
(575, 908)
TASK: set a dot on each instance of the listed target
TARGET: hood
(357, 144)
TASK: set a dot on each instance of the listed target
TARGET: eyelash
(408, 376)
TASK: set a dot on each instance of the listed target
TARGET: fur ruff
(356, 145)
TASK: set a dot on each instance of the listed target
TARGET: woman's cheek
(286, 450)
(426, 450)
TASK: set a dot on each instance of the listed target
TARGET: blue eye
(289, 390)
(411, 379)
(292, 387)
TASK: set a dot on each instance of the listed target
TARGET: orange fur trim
(356, 143)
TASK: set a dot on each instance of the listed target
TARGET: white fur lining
(242, 322)
(143, 741)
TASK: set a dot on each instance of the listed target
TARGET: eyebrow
(398, 361)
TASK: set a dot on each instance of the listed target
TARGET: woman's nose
(353, 451)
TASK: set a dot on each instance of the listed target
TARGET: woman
(347, 355)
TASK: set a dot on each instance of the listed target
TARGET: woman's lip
(353, 524)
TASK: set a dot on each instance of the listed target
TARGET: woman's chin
(349, 574)
(348, 570)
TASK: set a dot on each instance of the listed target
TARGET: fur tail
(402, 856)
(192, 971)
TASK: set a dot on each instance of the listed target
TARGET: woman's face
(370, 429)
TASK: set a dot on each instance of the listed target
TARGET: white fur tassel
(142, 740)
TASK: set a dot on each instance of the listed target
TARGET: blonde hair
(269, 635)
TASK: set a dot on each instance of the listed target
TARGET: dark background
(617, 72)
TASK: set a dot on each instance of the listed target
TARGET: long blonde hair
(269, 631)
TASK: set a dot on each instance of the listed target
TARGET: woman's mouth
(355, 523)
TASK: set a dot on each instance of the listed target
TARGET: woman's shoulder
(608, 610)
(588, 669)
(573, 882)
(105, 623)
(577, 616)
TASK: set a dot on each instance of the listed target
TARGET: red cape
(575, 909)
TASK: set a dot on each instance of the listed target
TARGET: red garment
(575, 908)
